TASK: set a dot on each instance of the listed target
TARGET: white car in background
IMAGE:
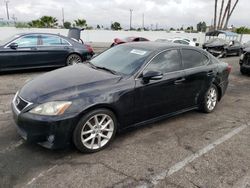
(178, 41)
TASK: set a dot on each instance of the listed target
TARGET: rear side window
(193, 58)
(49, 40)
(166, 62)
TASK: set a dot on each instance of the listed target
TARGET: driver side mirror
(231, 43)
(13, 45)
(152, 75)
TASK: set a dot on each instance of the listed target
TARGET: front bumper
(50, 132)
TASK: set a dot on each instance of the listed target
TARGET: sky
(164, 13)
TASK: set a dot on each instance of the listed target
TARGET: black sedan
(222, 48)
(37, 50)
(245, 61)
(128, 85)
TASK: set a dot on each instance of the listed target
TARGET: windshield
(122, 59)
(217, 41)
(5, 41)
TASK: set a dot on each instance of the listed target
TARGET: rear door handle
(179, 81)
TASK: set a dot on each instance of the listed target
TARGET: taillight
(229, 68)
(89, 48)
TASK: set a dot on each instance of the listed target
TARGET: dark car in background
(128, 85)
(37, 50)
(245, 61)
(118, 41)
(223, 48)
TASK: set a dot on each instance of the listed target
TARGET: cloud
(165, 13)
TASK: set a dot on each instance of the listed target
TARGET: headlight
(242, 56)
(51, 108)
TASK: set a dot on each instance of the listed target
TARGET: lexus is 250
(129, 85)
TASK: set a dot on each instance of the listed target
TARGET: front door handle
(33, 48)
(179, 81)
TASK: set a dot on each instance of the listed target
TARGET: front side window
(193, 58)
(27, 41)
(168, 61)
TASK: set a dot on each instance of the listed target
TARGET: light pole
(7, 9)
(63, 16)
(131, 12)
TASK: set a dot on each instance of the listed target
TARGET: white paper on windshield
(138, 52)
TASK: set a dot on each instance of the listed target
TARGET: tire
(90, 136)
(73, 59)
(242, 70)
(210, 100)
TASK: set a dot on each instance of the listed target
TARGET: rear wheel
(210, 99)
(73, 59)
(95, 131)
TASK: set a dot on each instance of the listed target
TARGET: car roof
(157, 46)
(24, 34)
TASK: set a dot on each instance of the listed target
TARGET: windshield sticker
(138, 52)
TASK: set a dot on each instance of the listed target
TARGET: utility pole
(131, 12)
(63, 16)
(143, 21)
(7, 9)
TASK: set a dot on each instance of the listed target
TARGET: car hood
(67, 83)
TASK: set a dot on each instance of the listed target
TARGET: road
(190, 150)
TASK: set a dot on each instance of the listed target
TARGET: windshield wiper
(92, 65)
(106, 69)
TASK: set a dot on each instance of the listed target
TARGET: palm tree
(81, 23)
(221, 10)
(215, 14)
(48, 21)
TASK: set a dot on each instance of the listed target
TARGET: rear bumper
(50, 132)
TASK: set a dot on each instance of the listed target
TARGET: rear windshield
(122, 59)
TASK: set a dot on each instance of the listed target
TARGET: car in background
(179, 41)
(118, 41)
(245, 61)
(222, 48)
(40, 50)
(246, 45)
(129, 85)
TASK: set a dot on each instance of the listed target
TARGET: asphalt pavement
(193, 150)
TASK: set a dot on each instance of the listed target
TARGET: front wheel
(210, 99)
(95, 131)
(73, 59)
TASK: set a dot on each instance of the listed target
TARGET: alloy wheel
(74, 59)
(211, 99)
(97, 131)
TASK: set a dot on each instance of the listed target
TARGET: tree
(172, 29)
(98, 27)
(45, 21)
(116, 26)
(201, 27)
(67, 25)
(225, 14)
(81, 23)
(215, 14)
(48, 21)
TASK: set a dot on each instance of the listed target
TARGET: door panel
(160, 97)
